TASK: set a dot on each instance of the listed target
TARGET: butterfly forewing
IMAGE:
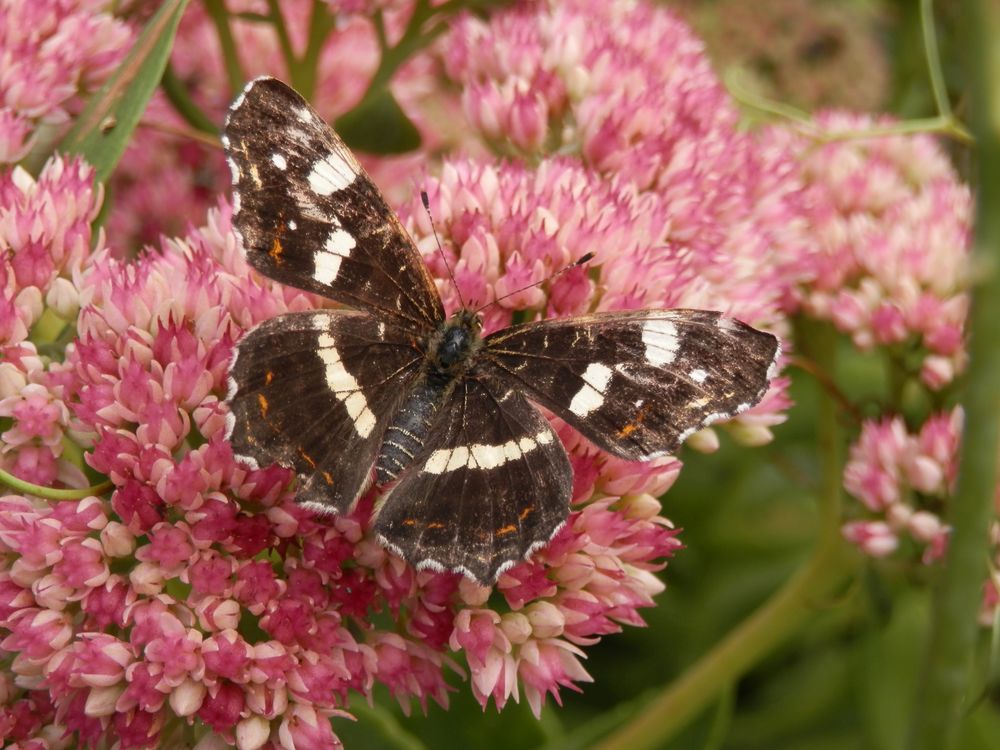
(492, 485)
(310, 216)
(313, 391)
(637, 383)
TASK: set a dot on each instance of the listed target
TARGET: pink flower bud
(52, 592)
(117, 540)
(252, 732)
(704, 441)
(187, 697)
(147, 579)
(304, 727)
(63, 298)
(101, 700)
(516, 628)
(547, 621)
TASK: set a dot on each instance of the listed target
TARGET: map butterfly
(394, 392)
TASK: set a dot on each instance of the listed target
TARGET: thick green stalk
(779, 618)
(216, 10)
(944, 690)
(50, 493)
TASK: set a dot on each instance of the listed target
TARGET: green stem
(947, 126)
(216, 10)
(750, 98)
(184, 105)
(778, 619)
(49, 493)
(948, 662)
(306, 72)
(934, 59)
(284, 39)
(944, 124)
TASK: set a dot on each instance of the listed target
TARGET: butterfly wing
(314, 391)
(310, 217)
(637, 384)
(492, 485)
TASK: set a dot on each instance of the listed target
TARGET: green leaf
(105, 126)
(378, 125)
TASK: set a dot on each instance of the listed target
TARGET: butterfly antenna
(427, 207)
(578, 262)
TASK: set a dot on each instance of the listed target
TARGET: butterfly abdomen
(405, 436)
(450, 353)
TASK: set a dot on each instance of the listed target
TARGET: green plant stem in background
(216, 10)
(184, 105)
(941, 701)
(927, 27)
(305, 70)
(50, 493)
(779, 618)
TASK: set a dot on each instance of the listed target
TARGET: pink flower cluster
(889, 223)
(903, 479)
(626, 89)
(199, 597)
(505, 226)
(45, 228)
(71, 49)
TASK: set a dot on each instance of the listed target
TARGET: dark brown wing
(636, 383)
(310, 216)
(315, 391)
(492, 486)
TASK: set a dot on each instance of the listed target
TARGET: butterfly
(394, 392)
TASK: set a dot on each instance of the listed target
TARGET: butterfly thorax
(450, 354)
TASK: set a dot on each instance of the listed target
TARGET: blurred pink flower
(889, 221)
(903, 479)
(55, 53)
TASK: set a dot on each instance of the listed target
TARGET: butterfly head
(456, 341)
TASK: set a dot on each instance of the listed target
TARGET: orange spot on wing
(435, 525)
(328, 477)
(409, 522)
(263, 404)
(508, 529)
(268, 377)
(526, 512)
(307, 457)
(636, 423)
(276, 250)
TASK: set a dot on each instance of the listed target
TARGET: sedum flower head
(890, 223)
(199, 594)
(902, 478)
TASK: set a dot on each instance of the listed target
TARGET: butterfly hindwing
(310, 217)
(314, 391)
(492, 485)
(637, 383)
